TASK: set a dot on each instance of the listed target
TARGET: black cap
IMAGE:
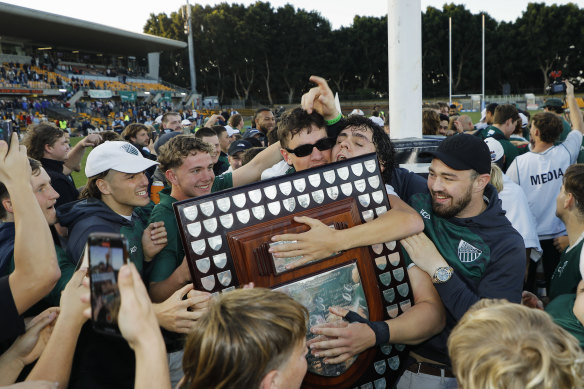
(237, 146)
(463, 152)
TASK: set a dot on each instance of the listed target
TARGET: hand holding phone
(6, 131)
(107, 254)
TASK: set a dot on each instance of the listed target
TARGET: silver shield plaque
(405, 305)
(220, 260)
(357, 169)
(224, 204)
(198, 246)
(392, 311)
(271, 192)
(299, 184)
(377, 196)
(386, 349)
(210, 225)
(259, 212)
(380, 384)
(381, 262)
(314, 180)
(389, 295)
(215, 242)
(239, 200)
(228, 289)
(332, 192)
(367, 215)
(360, 185)
(190, 212)
(364, 200)
(207, 208)
(203, 264)
(226, 220)
(208, 282)
(347, 188)
(385, 278)
(390, 245)
(329, 176)
(343, 172)
(304, 200)
(377, 248)
(400, 347)
(403, 289)
(370, 165)
(393, 363)
(374, 181)
(289, 204)
(255, 195)
(274, 208)
(194, 229)
(399, 273)
(285, 188)
(243, 216)
(380, 210)
(393, 258)
(318, 196)
(224, 277)
(380, 367)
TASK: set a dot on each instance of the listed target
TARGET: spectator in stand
(540, 172)
(48, 144)
(249, 338)
(497, 344)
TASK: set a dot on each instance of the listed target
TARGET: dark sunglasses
(305, 150)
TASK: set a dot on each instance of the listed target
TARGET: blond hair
(243, 336)
(496, 177)
(498, 344)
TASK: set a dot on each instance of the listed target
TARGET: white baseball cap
(186, 122)
(231, 131)
(357, 111)
(116, 155)
(495, 148)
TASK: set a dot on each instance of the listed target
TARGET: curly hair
(549, 125)
(132, 130)
(382, 143)
(498, 344)
(430, 121)
(39, 135)
(173, 152)
(296, 120)
(243, 336)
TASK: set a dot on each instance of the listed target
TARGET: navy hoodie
(6, 246)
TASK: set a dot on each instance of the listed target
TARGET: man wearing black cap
(235, 152)
(468, 247)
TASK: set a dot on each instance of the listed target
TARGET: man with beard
(264, 121)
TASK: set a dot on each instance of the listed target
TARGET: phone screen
(6, 131)
(107, 254)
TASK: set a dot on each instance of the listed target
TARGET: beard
(450, 211)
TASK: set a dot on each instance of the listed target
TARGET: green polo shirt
(171, 256)
(567, 274)
(561, 310)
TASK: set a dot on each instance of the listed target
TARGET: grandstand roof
(62, 31)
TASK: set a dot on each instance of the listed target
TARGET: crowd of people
(492, 240)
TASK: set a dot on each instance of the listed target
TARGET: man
(35, 264)
(111, 202)
(118, 124)
(224, 142)
(171, 127)
(504, 123)
(487, 116)
(139, 136)
(236, 150)
(539, 173)
(464, 124)
(250, 338)
(188, 166)
(443, 128)
(556, 106)
(208, 135)
(49, 145)
(452, 110)
(264, 122)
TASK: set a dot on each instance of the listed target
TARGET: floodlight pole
(483, 102)
(450, 61)
(191, 50)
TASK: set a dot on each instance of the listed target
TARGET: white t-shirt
(540, 176)
(514, 203)
(276, 170)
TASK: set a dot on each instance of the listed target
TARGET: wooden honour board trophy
(226, 236)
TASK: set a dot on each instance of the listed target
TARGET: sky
(132, 14)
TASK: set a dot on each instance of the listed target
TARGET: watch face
(443, 274)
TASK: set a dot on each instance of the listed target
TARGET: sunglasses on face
(305, 150)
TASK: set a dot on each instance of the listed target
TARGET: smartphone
(6, 131)
(107, 253)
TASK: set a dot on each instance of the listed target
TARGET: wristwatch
(442, 274)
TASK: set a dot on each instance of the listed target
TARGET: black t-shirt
(63, 184)
(11, 324)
